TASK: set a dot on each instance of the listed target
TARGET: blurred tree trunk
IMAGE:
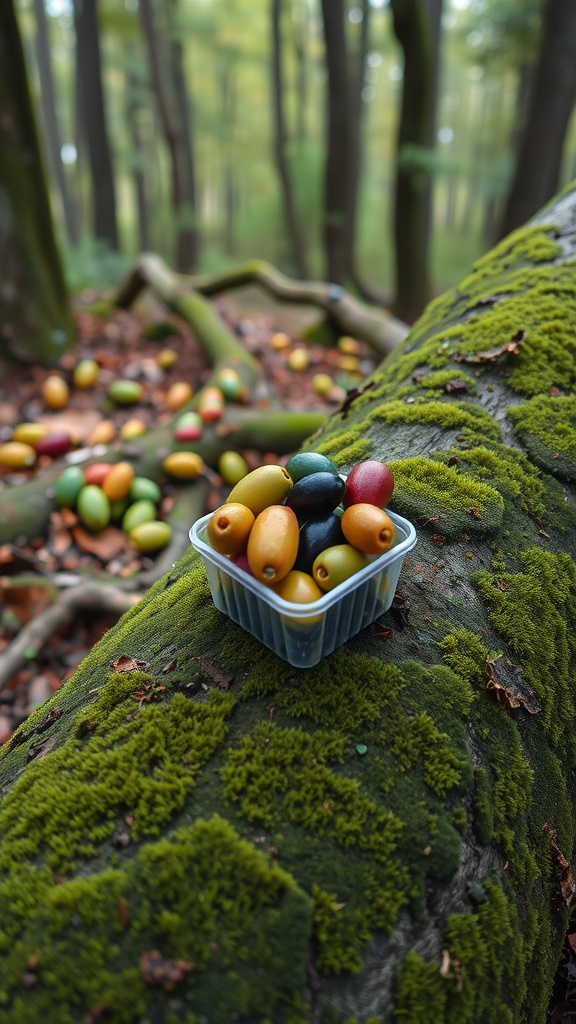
(185, 121)
(137, 156)
(93, 115)
(434, 14)
(412, 29)
(357, 66)
(291, 218)
(539, 157)
(50, 121)
(300, 30)
(229, 189)
(337, 174)
(161, 57)
(35, 318)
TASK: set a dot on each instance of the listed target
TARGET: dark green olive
(316, 495)
(316, 535)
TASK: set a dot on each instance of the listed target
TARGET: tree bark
(410, 221)
(291, 218)
(35, 317)
(93, 114)
(191, 826)
(51, 128)
(539, 158)
(337, 160)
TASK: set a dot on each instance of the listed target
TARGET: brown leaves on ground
(491, 355)
(508, 683)
(567, 882)
(158, 971)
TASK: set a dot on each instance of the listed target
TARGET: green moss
(535, 613)
(483, 808)
(437, 380)
(430, 493)
(466, 655)
(507, 471)
(446, 415)
(202, 896)
(547, 429)
(339, 938)
(420, 992)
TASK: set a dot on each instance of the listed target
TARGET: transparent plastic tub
(303, 634)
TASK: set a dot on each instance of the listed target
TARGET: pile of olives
(281, 524)
(104, 492)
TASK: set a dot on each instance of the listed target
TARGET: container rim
(290, 608)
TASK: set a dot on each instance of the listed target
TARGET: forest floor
(126, 346)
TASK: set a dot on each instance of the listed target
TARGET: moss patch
(432, 494)
(546, 428)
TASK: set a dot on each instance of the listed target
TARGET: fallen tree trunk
(193, 830)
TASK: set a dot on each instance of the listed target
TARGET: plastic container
(303, 634)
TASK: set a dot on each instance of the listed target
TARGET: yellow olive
(298, 587)
(299, 359)
(177, 395)
(29, 433)
(167, 358)
(17, 455)
(132, 428)
(267, 485)
(229, 528)
(232, 467)
(336, 564)
(86, 373)
(368, 528)
(118, 481)
(322, 384)
(183, 465)
(273, 543)
(150, 536)
(55, 392)
(349, 346)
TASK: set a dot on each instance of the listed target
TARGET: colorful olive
(167, 358)
(273, 543)
(17, 455)
(177, 395)
(299, 359)
(304, 463)
(266, 485)
(68, 486)
(316, 535)
(336, 564)
(86, 373)
(55, 444)
(131, 429)
(29, 433)
(230, 384)
(55, 392)
(103, 433)
(210, 404)
(229, 528)
(371, 481)
(142, 488)
(96, 472)
(316, 495)
(143, 511)
(125, 392)
(117, 483)
(298, 587)
(232, 467)
(150, 536)
(368, 528)
(189, 432)
(183, 465)
(93, 507)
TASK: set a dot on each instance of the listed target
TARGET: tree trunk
(35, 317)
(412, 30)
(181, 198)
(539, 158)
(184, 113)
(193, 828)
(133, 109)
(337, 161)
(93, 115)
(434, 15)
(291, 218)
(50, 122)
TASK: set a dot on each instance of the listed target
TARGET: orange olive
(177, 395)
(117, 483)
(273, 543)
(103, 433)
(368, 528)
(55, 392)
(229, 528)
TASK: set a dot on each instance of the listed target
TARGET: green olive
(336, 564)
(93, 507)
(142, 511)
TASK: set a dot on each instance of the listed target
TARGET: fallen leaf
(156, 970)
(507, 680)
(567, 882)
(512, 348)
(213, 670)
(456, 385)
(106, 544)
(125, 663)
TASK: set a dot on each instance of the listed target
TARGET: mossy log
(192, 830)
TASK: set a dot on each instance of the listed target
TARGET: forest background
(379, 145)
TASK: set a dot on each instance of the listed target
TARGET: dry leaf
(507, 680)
(125, 663)
(106, 544)
(213, 670)
(567, 883)
(155, 970)
(492, 354)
